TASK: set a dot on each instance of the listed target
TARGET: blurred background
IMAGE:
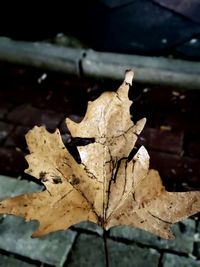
(53, 60)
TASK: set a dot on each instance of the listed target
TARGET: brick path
(171, 136)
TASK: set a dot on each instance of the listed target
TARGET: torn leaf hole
(57, 180)
(133, 153)
(182, 227)
(78, 141)
(42, 174)
(74, 180)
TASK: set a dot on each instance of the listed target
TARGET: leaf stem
(105, 234)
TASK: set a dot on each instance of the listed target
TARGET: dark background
(159, 27)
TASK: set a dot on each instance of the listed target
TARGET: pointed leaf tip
(129, 74)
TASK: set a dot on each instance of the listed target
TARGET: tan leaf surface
(106, 188)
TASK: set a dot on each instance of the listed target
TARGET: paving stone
(12, 161)
(193, 146)
(10, 187)
(63, 126)
(197, 239)
(88, 251)
(51, 119)
(182, 172)
(17, 137)
(52, 249)
(186, 121)
(5, 129)
(22, 92)
(89, 226)
(122, 255)
(171, 260)
(15, 236)
(4, 108)
(161, 140)
(12, 262)
(184, 232)
(57, 98)
(28, 115)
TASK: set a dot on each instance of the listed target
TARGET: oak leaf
(107, 187)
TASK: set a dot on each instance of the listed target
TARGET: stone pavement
(83, 244)
(171, 136)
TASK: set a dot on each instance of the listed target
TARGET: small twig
(105, 234)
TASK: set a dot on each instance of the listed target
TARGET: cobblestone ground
(171, 136)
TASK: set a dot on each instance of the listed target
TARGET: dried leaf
(106, 188)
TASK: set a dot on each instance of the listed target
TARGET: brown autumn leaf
(106, 188)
